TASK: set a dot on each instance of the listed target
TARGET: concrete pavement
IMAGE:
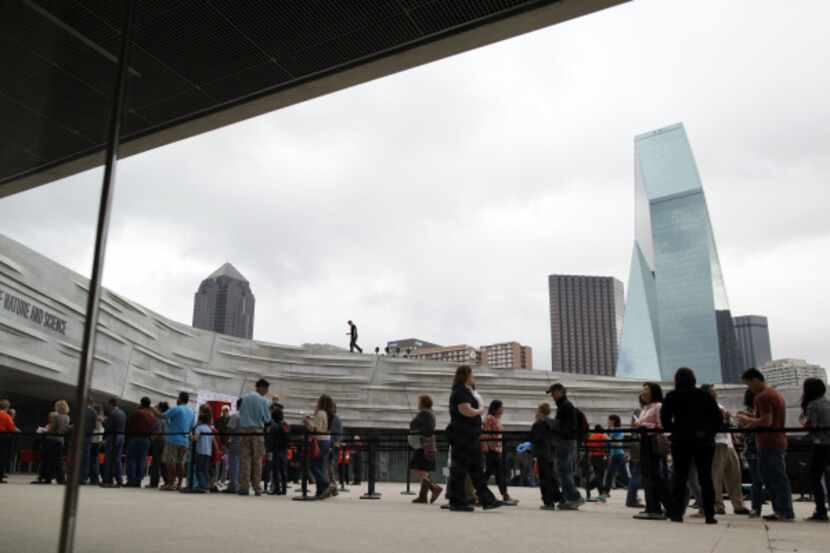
(133, 520)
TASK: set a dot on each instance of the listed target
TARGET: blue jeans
(773, 466)
(87, 464)
(233, 468)
(202, 472)
(757, 492)
(137, 459)
(114, 468)
(635, 483)
(566, 465)
(616, 465)
(320, 467)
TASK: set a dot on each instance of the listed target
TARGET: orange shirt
(6, 423)
(597, 446)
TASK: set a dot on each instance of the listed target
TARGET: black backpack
(582, 426)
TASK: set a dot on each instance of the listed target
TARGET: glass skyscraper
(677, 312)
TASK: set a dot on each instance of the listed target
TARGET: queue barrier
(392, 440)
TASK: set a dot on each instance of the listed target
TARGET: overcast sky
(434, 203)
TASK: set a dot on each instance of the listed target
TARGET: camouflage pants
(252, 449)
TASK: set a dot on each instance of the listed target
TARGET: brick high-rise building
(224, 303)
(507, 355)
(586, 314)
(460, 354)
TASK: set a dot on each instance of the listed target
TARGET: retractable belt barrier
(398, 441)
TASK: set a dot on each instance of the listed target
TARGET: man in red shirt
(7, 426)
(139, 426)
(770, 412)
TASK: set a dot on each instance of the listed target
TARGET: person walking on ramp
(353, 338)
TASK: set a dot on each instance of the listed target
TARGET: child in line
(541, 439)
(203, 436)
(278, 451)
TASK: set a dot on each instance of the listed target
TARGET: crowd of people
(680, 450)
(681, 447)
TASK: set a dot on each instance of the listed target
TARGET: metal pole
(408, 490)
(370, 493)
(69, 517)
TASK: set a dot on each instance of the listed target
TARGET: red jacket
(6, 423)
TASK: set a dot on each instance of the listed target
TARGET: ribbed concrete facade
(140, 352)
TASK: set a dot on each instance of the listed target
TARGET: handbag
(659, 444)
(414, 441)
(315, 448)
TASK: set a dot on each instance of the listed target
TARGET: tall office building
(224, 303)
(753, 339)
(677, 312)
(586, 315)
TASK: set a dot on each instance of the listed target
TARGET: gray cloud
(435, 202)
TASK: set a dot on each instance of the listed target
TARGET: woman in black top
(422, 441)
(464, 434)
(693, 418)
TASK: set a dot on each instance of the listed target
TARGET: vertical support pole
(370, 493)
(408, 490)
(69, 517)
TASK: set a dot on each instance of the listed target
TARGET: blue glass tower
(677, 312)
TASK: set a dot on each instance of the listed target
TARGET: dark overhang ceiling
(197, 65)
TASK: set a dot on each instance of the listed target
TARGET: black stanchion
(344, 451)
(304, 480)
(408, 490)
(370, 492)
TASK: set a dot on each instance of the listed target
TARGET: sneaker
(509, 502)
(775, 517)
(636, 505)
(461, 508)
(602, 498)
(742, 511)
(569, 506)
(650, 516)
(754, 514)
(817, 517)
(712, 520)
(494, 505)
(550, 507)
(242, 492)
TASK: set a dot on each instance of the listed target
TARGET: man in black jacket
(693, 418)
(541, 438)
(566, 448)
(353, 338)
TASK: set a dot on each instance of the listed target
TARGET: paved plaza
(131, 520)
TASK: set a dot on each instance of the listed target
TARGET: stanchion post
(344, 451)
(304, 479)
(370, 492)
(408, 490)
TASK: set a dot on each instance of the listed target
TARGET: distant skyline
(436, 202)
